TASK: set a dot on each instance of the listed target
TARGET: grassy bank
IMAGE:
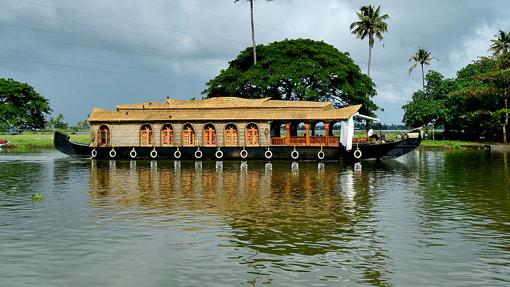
(39, 140)
(453, 144)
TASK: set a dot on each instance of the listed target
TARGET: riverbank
(453, 144)
(39, 140)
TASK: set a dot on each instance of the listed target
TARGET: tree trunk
(422, 77)
(505, 125)
(370, 41)
(253, 34)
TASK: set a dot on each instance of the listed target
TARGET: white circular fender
(268, 154)
(154, 153)
(113, 153)
(320, 155)
(177, 154)
(198, 154)
(133, 153)
(294, 154)
(93, 153)
(218, 154)
(357, 154)
(243, 153)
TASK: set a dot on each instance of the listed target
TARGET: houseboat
(226, 128)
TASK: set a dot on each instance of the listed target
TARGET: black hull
(368, 151)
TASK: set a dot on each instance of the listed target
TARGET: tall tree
(431, 103)
(21, 106)
(254, 45)
(501, 44)
(370, 23)
(300, 69)
(422, 57)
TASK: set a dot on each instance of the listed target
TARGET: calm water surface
(431, 218)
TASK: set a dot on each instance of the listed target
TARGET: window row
(231, 135)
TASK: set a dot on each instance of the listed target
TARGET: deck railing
(301, 141)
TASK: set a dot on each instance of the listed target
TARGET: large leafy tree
(21, 106)
(430, 104)
(298, 69)
(370, 24)
(486, 86)
(423, 58)
(501, 44)
(254, 45)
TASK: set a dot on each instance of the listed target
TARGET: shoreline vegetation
(44, 140)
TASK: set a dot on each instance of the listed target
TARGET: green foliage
(21, 106)
(298, 69)
(57, 123)
(370, 22)
(475, 103)
(501, 44)
(38, 197)
(430, 104)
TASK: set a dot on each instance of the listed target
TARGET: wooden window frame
(167, 135)
(146, 135)
(231, 135)
(252, 135)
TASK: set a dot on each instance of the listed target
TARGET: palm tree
(501, 44)
(422, 57)
(371, 23)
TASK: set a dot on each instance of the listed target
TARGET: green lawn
(452, 144)
(40, 140)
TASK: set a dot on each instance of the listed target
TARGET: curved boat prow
(64, 145)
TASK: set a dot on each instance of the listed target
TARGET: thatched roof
(223, 109)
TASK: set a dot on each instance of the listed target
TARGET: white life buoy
(177, 154)
(133, 153)
(113, 153)
(320, 155)
(198, 154)
(294, 154)
(244, 153)
(268, 154)
(154, 153)
(357, 154)
(93, 153)
(218, 154)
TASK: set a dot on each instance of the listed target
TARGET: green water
(430, 218)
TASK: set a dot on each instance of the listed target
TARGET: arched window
(231, 135)
(188, 135)
(209, 134)
(252, 134)
(103, 138)
(146, 135)
(167, 135)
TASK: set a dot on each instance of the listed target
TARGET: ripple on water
(419, 221)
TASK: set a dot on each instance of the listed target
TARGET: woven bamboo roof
(223, 109)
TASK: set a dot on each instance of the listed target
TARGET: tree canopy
(21, 106)
(298, 69)
(475, 103)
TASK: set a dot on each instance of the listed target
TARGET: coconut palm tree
(501, 44)
(422, 57)
(252, 31)
(371, 23)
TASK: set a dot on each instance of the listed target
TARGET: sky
(83, 54)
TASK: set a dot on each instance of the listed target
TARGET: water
(430, 218)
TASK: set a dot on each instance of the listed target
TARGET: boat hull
(330, 153)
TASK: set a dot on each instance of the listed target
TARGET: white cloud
(100, 53)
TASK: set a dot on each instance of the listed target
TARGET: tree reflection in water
(294, 217)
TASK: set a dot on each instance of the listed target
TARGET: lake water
(430, 218)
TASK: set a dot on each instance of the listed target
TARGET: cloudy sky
(98, 53)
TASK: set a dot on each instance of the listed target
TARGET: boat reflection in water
(281, 216)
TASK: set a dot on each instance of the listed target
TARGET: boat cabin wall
(130, 134)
